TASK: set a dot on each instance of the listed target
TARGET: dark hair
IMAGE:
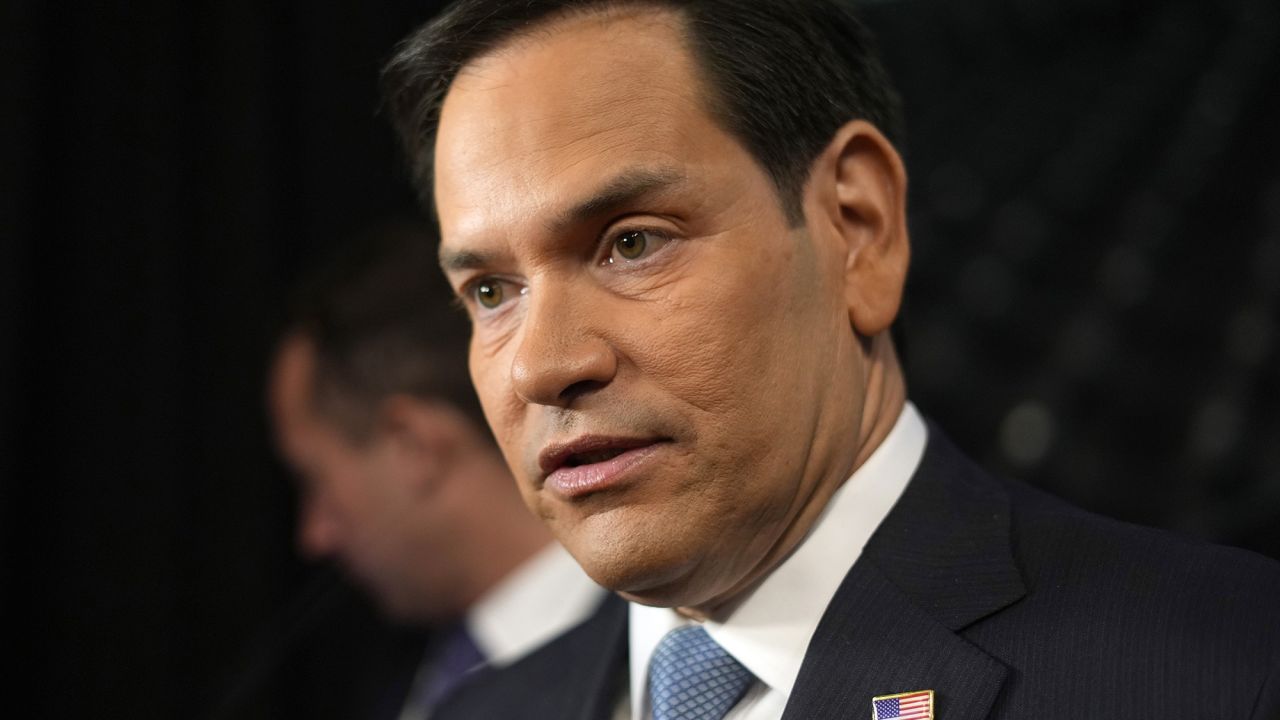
(783, 75)
(380, 317)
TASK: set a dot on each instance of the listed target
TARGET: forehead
(536, 122)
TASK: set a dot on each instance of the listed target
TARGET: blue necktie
(693, 678)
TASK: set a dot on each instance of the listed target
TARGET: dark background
(1093, 307)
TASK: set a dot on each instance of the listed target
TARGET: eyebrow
(624, 189)
(457, 260)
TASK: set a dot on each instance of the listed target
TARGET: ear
(421, 439)
(858, 193)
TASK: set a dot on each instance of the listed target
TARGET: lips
(593, 463)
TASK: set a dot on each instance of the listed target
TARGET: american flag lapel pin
(916, 705)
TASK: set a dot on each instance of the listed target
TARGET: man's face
(355, 506)
(667, 365)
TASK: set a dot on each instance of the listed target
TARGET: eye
(489, 293)
(635, 244)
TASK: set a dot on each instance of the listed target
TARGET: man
(679, 229)
(400, 482)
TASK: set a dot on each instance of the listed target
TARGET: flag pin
(917, 705)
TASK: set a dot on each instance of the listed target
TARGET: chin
(633, 557)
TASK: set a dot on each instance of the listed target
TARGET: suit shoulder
(1134, 614)
(1100, 575)
(1056, 538)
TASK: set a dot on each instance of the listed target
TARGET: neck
(885, 399)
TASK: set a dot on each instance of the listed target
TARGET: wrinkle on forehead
(546, 106)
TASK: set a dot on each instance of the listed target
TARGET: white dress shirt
(770, 629)
(545, 596)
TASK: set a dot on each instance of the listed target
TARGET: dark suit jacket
(1004, 601)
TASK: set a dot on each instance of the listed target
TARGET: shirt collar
(770, 629)
(541, 599)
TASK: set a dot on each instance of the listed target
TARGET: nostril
(315, 535)
(579, 389)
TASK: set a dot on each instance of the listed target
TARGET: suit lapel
(874, 641)
(940, 561)
(594, 656)
(605, 671)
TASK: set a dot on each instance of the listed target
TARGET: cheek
(751, 377)
(493, 388)
(727, 344)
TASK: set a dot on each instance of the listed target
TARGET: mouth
(593, 463)
(593, 457)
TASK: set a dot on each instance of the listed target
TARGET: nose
(561, 357)
(317, 532)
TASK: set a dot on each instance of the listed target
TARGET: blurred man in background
(400, 482)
